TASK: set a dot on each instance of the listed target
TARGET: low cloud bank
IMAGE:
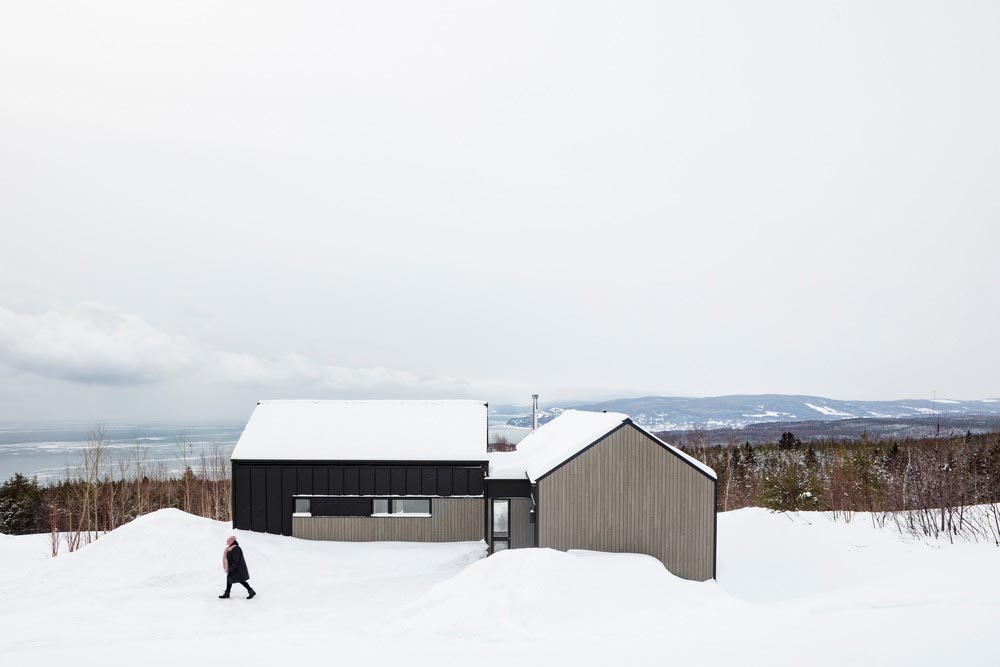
(93, 344)
(98, 345)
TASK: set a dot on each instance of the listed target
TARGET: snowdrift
(169, 547)
(543, 593)
(792, 589)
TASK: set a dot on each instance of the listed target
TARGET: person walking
(236, 568)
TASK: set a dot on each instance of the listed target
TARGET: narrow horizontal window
(401, 507)
(411, 506)
(302, 506)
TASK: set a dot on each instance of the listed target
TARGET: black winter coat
(237, 565)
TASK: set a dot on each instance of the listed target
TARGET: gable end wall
(628, 493)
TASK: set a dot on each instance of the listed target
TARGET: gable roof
(327, 430)
(564, 437)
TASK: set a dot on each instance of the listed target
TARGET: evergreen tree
(789, 441)
(811, 460)
(20, 499)
(787, 491)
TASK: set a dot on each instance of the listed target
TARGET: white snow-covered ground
(793, 589)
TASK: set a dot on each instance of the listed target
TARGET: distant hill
(673, 413)
(846, 429)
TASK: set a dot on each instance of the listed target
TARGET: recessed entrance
(500, 525)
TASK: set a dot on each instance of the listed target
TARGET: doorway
(500, 525)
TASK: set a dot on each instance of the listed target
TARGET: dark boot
(224, 596)
(252, 593)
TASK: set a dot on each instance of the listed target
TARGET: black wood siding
(336, 480)
(274, 501)
(258, 498)
(397, 481)
(321, 480)
(382, 486)
(367, 482)
(444, 481)
(413, 481)
(289, 485)
(341, 506)
(460, 482)
(241, 493)
(263, 492)
(508, 488)
(305, 481)
(352, 481)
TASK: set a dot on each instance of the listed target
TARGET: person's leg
(251, 591)
(229, 587)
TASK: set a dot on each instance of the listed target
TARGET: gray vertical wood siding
(451, 520)
(629, 494)
(522, 531)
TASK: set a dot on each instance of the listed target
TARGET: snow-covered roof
(553, 443)
(365, 431)
(562, 438)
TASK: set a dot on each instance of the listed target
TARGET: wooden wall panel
(630, 494)
(522, 531)
(451, 520)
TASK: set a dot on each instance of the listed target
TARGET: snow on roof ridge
(684, 455)
(554, 442)
(546, 448)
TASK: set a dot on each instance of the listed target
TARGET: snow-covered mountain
(674, 413)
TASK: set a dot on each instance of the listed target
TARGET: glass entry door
(500, 534)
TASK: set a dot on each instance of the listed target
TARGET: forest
(936, 486)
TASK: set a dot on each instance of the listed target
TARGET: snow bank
(793, 589)
(537, 594)
(19, 554)
(170, 546)
(824, 559)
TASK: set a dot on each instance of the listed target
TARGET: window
(401, 507)
(501, 518)
(411, 506)
(302, 506)
(501, 525)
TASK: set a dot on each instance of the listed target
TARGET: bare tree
(90, 474)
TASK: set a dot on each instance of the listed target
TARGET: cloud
(296, 370)
(92, 344)
(97, 345)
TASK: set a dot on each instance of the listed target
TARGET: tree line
(940, 487)
(109, 488)
(948, 486)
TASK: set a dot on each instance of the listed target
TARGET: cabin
(364, 471)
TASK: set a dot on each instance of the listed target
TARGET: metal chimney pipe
(534, 411)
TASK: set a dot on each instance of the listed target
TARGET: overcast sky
(207, 203)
